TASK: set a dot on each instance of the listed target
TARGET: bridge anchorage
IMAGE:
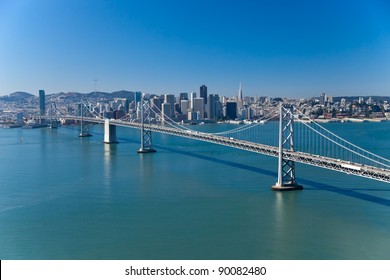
(146, 133)
(84, 128)
(286, 168)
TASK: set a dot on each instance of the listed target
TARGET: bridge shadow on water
(309, 185)
(313, 185)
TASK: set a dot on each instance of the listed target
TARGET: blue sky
(275, 48)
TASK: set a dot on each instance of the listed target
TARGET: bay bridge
(285, 133)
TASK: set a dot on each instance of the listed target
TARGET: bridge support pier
(286, 168)
(146, 133)
(109, 133)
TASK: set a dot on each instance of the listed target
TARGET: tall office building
(240, 93)
(218, 110)
(213, 100)
(231, 110)
(184, 106)
(166, 110)
(170, 99)
(199, 107)
(42, 101)
(322, 98)
(193, 95)
(137, 97)
(203, 93)
(240, 100)
(183, 96)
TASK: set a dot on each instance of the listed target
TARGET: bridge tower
(286, 168)
(84, 128)
(146, 133)
(53, 120)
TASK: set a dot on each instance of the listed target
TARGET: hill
(17, 96)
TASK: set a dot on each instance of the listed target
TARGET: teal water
(62, 197)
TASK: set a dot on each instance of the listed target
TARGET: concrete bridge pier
(109, 133)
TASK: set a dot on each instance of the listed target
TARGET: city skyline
(274, 49)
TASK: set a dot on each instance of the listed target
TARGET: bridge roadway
(366, 171)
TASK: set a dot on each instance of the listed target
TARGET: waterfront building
(19, 119)
(243, 114)
(231, 110)
(218, 110)
(189, 114)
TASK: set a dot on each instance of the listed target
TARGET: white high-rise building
(192, 96)
(240, 102)
(184, 106)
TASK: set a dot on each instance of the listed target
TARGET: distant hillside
(69, 96)
(17, 96)
(352, 98)
(123, 94)
(94, 94)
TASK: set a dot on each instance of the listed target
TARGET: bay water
(65, 197)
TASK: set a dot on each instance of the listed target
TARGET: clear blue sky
(275, 48)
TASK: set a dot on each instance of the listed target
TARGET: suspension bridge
(285, 133)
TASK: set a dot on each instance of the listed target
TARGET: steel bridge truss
(83, 113)
(146, 132)
(286, 166)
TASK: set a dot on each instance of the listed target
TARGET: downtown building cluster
(194, 107)
(186, 107)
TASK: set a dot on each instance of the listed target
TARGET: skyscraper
(183, 96)
(184, 106)
(203, 93)
(322, 98)
(231, 110)
(240, 93)
(193, 95)
(199, 107)
(42, 101)
(166, 110)
(240, 102)
(170, 99)
(213, 99)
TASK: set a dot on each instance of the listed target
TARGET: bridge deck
(314, 160)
